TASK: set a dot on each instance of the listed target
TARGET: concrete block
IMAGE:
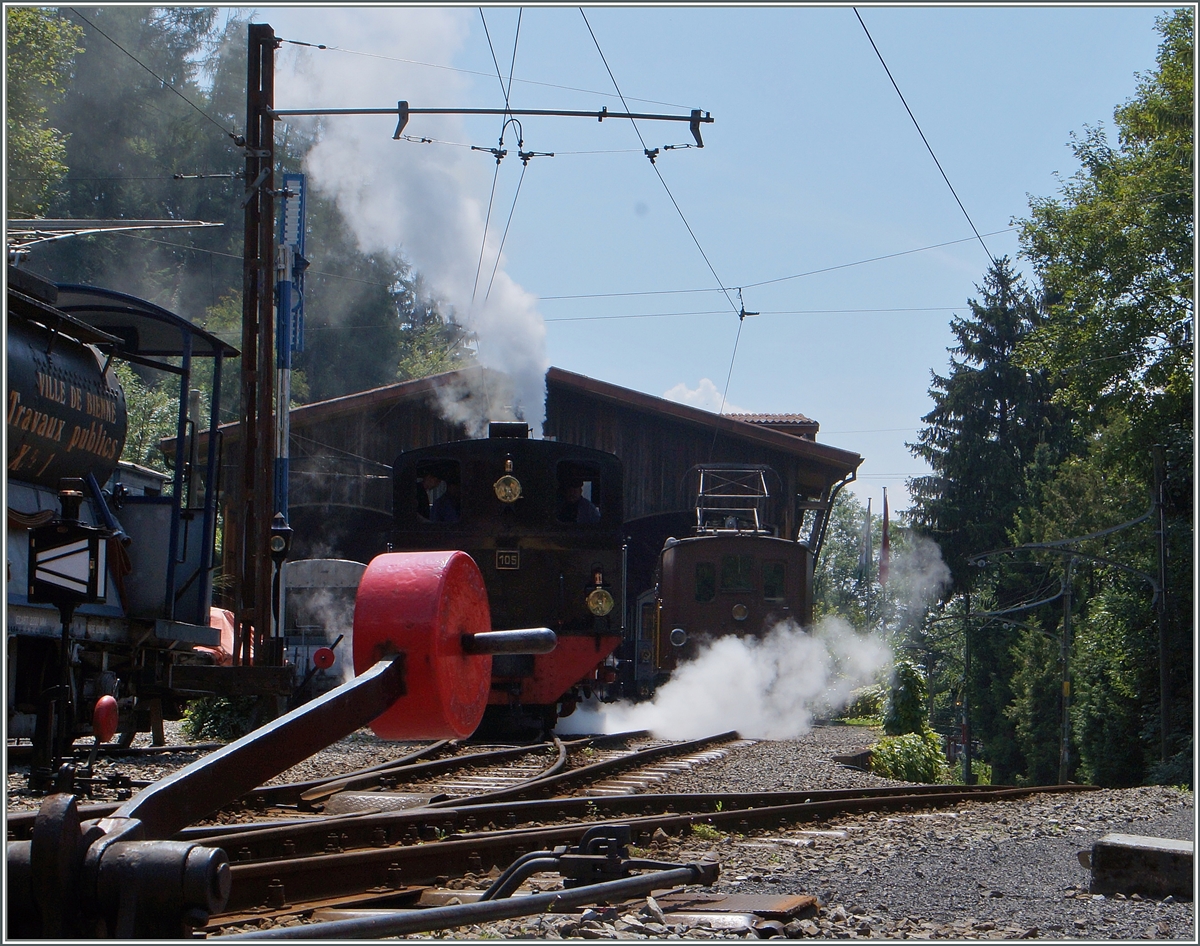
(1129, 864)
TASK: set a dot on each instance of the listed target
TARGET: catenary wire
(922, 134)
(504, 237)
(165, 83)
(768, 282)
(496, 173)
(661, 179)
(668, 315)
(472, 72)
(524, 163)
(679, 210)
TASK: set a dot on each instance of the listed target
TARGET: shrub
(905, 711)
(220, 718)
(912, 757)
(866, 703)
(1177, 770)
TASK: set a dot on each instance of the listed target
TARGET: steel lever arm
(209, 783)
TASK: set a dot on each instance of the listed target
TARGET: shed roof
(754, 432)
(725, 423)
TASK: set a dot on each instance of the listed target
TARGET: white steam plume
(426, 200)
(768, 688)
(918, 575)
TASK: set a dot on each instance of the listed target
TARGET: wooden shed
(342, 451)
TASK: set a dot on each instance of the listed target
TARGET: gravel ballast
(999, 870)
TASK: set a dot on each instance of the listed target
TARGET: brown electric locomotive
(732, 575)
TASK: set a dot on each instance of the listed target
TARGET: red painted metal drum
(323, 658)
(104, 718)
(421, 604)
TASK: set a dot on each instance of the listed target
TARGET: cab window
(706, 581)
(737, 573)
(437, 487)
(773, 581)
(578, 493)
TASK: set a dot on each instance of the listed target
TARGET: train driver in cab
(575, 506)
(441, 497)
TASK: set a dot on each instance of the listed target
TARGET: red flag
(885, 547)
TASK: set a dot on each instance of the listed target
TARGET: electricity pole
(1064, 751)
(250, 534)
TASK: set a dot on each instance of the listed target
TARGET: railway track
(393, 859)
(423, 841)
(394, 837)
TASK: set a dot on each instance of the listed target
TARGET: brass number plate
(508, 558)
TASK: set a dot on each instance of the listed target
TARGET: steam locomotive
(543, 520)
(109, 564)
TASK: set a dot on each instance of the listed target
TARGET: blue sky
(811, 164)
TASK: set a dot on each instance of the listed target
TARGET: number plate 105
(508, 558)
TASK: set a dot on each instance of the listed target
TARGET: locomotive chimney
(513, 429)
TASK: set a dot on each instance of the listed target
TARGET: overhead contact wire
(496, 173)
(767, 282)
(741, 312)
(524, 164)
(470, 72)
(917, 125)
(638, 131)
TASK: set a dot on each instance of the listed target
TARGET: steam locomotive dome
(66, 415)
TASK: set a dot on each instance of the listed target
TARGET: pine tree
(989, 417)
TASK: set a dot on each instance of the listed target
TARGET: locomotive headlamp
(508, 487)
(678, 636)
(740, 612)
(600, 601)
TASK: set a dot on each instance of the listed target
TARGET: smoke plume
(425, 200)
(768, 688)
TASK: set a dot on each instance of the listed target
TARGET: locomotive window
(773, 585)
(706, 581)
(437, 489)
(578, 492)
(737, 573)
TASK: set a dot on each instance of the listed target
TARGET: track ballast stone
(996, 871)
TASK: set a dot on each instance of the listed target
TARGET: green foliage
(1036, 706)
(153, 413)
(837, 589)
(866, 703)
(912, 757)
(1115, 253)
(989, 418)
(706, 832)
(905, 710)
(40, 48)
(220, 718)
(1179, 770)
(1043, 431)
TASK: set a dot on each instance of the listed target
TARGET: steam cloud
(706, 396)
(773, 687)
(768, 688)
(425, 200)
